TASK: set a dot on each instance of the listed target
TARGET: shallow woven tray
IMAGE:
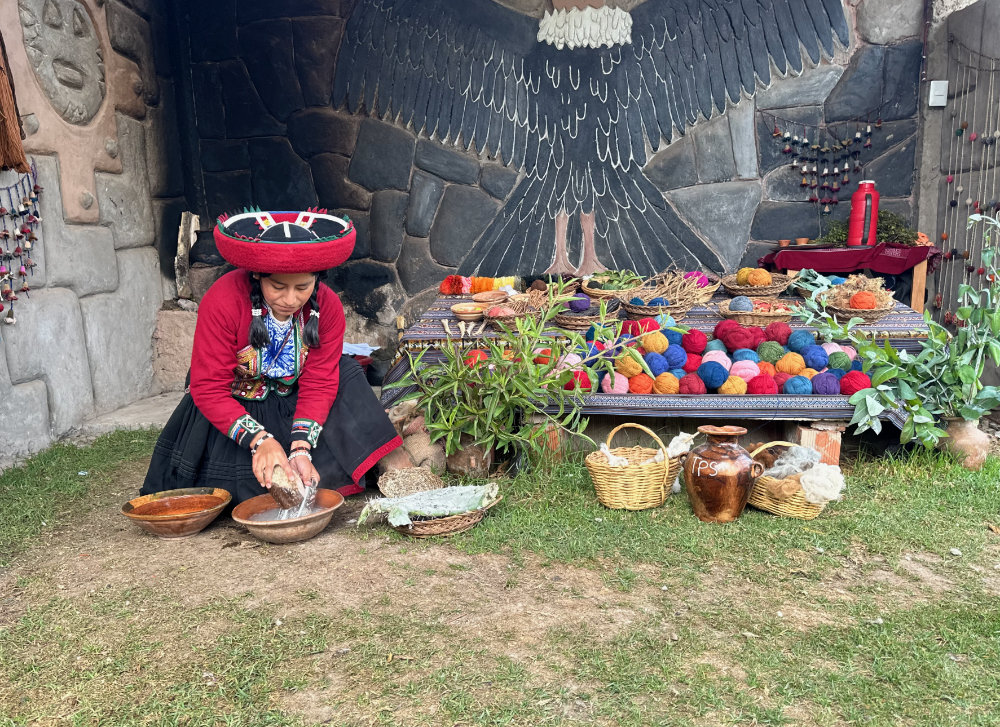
(778, 284)
(868, 315)
(635, 312)
(795, 506)
(752, 318)
(577, 322)
(601, 293)
(636, 486)
(444, 526)
(520, 305)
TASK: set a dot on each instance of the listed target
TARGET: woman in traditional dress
(269, 385)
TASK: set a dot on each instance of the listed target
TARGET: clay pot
(784, 243)
(967, 441)
(801, 240)
(471, 460)
(718, 475)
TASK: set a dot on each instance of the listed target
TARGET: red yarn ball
(632, 328)
(692, 364)
(691, 384)
(758, 336)
(854, 381)
(738, 338)
(778, 331)
(648, 325)
(694, 341)
(580, 380)
(640, 384)
(762, 384)
(780, 378)
(723, 326)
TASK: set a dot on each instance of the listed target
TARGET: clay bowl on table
(175, 514)
(468, 311)
(287, 531)
(490, 297)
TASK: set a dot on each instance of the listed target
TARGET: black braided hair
(310, 333)
(259, 337)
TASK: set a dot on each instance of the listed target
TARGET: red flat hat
(285, 242)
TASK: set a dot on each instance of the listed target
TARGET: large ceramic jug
(718, 475)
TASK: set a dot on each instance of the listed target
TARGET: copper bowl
(175, 514)
(287, 531)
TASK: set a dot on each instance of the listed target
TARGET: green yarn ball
(770, 351)
(839, 360)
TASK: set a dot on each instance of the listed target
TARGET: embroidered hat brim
(285, 242)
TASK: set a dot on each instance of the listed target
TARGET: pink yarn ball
(620, 386)
(850, 351)
(745, 370)
(700, 277)
(719, 357)
(831, 348)
(568, 361)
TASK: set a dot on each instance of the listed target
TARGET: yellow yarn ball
(628, 367)
(655, 341)
(666, 383)
(733, 385)
(742, 274)
(808, 373)
(791, 363)
(758, 277)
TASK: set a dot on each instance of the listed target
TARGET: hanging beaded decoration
(19, 228)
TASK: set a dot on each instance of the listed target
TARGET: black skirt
(191, 452)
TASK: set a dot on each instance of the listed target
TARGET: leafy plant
(813, 282)
(890, 228)
(617, 279)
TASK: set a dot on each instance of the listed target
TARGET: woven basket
(752, 318)
(521, 308)
(601, 293)
(636, 486)
(577, 322)
(795, 506)
(778, 284)
(635, 312)
(868, 315)
(444, 526)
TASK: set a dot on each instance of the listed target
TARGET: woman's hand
(270, 454)
(303, 465)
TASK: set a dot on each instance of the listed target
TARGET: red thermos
(864, 215)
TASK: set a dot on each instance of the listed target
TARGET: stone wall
(96, 95)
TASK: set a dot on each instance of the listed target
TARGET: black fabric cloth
(190, 452)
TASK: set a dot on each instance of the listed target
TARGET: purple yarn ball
(579, 303)
(826, 384)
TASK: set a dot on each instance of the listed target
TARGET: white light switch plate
(938, 95)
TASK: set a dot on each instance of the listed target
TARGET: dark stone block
(901, 80)
(426, 191)
(784, 184)
(382, 157)
(359, 284)
(281, 180)
(450, 165)
(224, 155)
(769, 148)
(497, 180)
(248, 11)
(212, 26)
(316, 42)
(755, 250)
(227, 192)
(204, 250)
(245, 114)
(266, 50)
(131, 36)
(210, 114)
(893, 132)
(417, 270)
(388, 215)
(674, 167)
(775, 220)
(721, 214)
(860, 89)
(362, 233)
(317, 130)
(333, 188)
(894, 170)
(713, 144)
(464, 214)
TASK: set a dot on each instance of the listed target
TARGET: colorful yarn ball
(713, 374)
(839, 360)
(665, 320)
(853, 382)
(594, 330)
(691, 384)
(637, 301)
(780, 379)
(767, 368)
(758, 278)
(594, 352)
(631, 328)
(742, 274)
(659, 301)
(580, 380)
(745, 354)
(778, 331)
(800, 339)
(666, 383)
(815, 357)
(678, 373)
(542, 356)
(727, 324)
(851, 352)
(734, 385)
(790, 363)
(758, 336)
(715, 345)
(741, 304)
(579, 303)
(808, 372)
(745, 370)
(831, 347)
(568, 361)
(647, 325)
(762, 384)
(628, 367)
(863, 300)
(770, 351)
(674, 337)
(641, 384)
(675, 356)
(839, 373)
(856, 365)
(619, 386)
(692, 363)
(694, 341)
(655, 342)
(656, 363)
(738, 338)
(825, 384)
(837, 280)
(700, 278)
(718, 357)
(798, 386)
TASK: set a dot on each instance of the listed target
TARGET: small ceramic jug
(718, 475)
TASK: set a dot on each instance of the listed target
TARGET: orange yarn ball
(640, 384)
(808, 373)
(791, 363)
(666, 383)
(734, 385)
(768, 368)
(759, 277)
(863, 300)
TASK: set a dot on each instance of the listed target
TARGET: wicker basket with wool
(635, 486)
(764, 495)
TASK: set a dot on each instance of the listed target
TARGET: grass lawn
(883, 611)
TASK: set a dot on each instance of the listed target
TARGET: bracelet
(300, 452)
(253, 448)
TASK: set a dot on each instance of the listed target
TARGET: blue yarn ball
(713, 374)
(658, 301)
(593, 354)
(679, 373)
(815, 357)
(674, 337)
(675, 356)
(665, 320)
(826, 384)
(657, 364)
(856, 365)
(637, 301)
(839, 373)
(715, 345)
(741, 304)
(799, 386)
(745, 354)
(593, 330)
(837, 280)
(800, 339)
